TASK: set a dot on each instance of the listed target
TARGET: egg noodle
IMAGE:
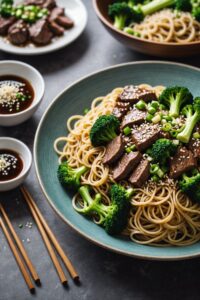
(160, 213)
(169, 26)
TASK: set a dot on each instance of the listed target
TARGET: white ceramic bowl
(12, 67)
(25, 155)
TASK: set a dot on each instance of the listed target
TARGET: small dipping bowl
(24, 153)
(30, 74)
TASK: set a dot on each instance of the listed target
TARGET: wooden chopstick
(56, 244)
(20, 246)
(17, 257)
(51, 251)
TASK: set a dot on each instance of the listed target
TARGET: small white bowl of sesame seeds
(15, 163)
(21, 91)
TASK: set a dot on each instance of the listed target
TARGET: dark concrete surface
(104, 275)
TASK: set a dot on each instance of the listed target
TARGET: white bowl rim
(41, 79)
(26, 167)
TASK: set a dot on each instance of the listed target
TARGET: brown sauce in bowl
(16, 94)
(11, 164)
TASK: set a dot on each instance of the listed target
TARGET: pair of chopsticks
(18, 258)
(49, 238)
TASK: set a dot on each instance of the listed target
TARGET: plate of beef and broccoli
(32, 27)
(168, 28)
(123, 163)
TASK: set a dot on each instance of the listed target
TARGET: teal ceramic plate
(72, 101)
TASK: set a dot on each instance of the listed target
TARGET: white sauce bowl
(25, 155)
(16, 68)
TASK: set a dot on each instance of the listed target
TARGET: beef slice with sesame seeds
(135, 116)
(114, 150)
(18, 33)
(5, 23)
(126, 164)
(133, 94)
(141, 174)
(182, 162)
(194, 144)
(145, 135)
(120, 109)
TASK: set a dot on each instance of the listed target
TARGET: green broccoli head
(121, 13)
(196, 9)
(69, 177)
(183, 5)
(104, 130)
(192, 114)
(174, 98)
(190, 185)
(113, 218)
(116, 220)
(162, 150)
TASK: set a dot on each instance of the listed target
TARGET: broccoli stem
(80, 171)
(175, 106)
(93, 205)
(111, 134)
(129, 193)
(184, 136)
(155, 5)
(119, 21)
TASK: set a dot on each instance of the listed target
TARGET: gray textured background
(104, 275)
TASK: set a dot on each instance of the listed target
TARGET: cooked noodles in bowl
(175, 21)
(132, 160)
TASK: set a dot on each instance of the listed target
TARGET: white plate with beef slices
(73, 9)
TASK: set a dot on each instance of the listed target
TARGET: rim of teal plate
(50, 200)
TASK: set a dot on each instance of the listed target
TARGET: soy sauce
(16, 94)
(11, 164)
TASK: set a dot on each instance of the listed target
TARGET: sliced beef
(135, 116)
(56, 29)
(134, 94)
(194, 144)
(140, 174)
(40, 32)
(183, 161)
(120, 109)
(49, 4)
(114, 150)
(43, 3)
(65, 22)
(126, 164)
(18, 33)
(5, 23)
(56, 12)
(145, 135)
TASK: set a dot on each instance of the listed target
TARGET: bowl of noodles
(165, 32)
(87, 183)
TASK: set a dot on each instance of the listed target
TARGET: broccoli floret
(190, 185)
(135, 10)
(192, 114)
(157, 5)
(196, 13)
(196, 9)
(113, 218)
(162, 150)
(104, 130)
(121, 13)
(70, 177)
(6, 8)
(174, 98)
